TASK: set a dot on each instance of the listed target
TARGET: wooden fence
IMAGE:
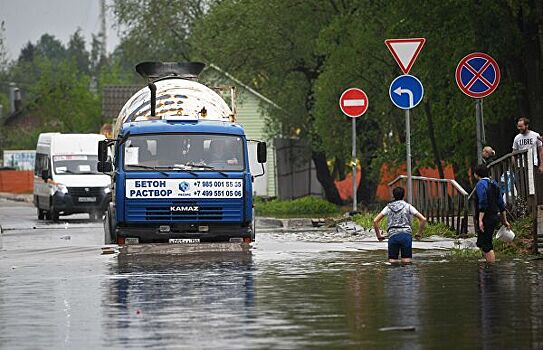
(440, 200)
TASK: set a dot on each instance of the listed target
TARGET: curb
(291, 223)
(27, 198)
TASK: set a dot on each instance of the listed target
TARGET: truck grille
(208, 211)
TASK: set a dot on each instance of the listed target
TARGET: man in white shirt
(527, 139)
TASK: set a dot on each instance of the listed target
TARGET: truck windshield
(75, 164)
(191, 152)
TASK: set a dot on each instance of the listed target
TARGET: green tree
(272, 46)
(77, 51)
(156, 30)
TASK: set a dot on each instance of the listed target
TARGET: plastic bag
(505, 234)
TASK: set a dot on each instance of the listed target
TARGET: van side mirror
(102, 151)
(45, 175)
(105, 167)
(261, 152)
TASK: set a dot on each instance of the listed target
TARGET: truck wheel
(253, 227)
(109, 228)
(48, 215)
(54, 215)
(41, 214)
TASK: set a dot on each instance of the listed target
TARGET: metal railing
(439, 200)
(514, 173)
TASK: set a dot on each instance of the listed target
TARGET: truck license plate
(87, 199)
(184, 240)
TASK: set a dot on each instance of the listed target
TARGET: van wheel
(41, 214)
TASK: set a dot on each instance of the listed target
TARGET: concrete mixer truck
(179, 164)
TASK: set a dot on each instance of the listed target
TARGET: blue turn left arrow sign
(406, 91)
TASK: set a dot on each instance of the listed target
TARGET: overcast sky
(27, 20)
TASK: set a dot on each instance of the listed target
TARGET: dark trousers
(484, 239)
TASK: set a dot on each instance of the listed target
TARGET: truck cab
(180, 167)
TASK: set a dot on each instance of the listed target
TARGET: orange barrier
(16, 181)
(345, 186)
(387, 175)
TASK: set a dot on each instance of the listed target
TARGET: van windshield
(192, 152)
(75, 164)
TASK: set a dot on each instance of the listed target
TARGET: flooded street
(290, 291)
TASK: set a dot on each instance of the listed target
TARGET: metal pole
(408, 148)
(354, 163)
(483, 132)
(478, 130)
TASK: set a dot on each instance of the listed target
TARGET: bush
(522, 244)
(302, 207)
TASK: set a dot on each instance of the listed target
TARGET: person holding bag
(489, 208)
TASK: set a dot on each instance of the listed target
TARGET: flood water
(285, 294)
(288, 301)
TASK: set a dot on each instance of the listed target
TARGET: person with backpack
(489, 208)
(399, 215)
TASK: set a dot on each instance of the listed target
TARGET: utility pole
(102, 35)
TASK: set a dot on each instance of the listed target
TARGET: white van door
(42, 189)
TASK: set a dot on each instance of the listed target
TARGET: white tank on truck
(182, 98)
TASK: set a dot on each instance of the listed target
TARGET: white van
(66, 180)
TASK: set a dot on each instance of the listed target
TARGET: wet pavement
(290, 291)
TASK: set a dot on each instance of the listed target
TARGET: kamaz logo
(184, 208)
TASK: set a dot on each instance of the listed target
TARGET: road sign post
(478, 75)
(353, 103)
(479, 130)
(406, 91)
(408, 151)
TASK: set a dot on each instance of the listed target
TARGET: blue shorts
(400, 242)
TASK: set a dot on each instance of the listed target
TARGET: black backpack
(492, 197)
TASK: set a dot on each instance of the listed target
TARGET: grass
(522, 244)
(440, 229)
(302, 207)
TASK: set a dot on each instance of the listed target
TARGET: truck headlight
(107, 189)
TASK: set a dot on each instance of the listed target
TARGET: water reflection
(180, 300)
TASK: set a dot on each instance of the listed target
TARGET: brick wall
(16, 181)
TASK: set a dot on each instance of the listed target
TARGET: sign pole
(478, 118)
(483, 132)
(353, 154)
(353, 103)
(408, 148)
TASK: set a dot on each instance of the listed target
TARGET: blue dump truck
(179, 164)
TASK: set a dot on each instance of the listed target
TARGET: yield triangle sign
(405, 51)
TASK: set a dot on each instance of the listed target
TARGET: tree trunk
(325, 178)
(431, 134)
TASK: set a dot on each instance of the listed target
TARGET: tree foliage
(60, 86)
(304, 54)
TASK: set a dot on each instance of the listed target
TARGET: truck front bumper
(204, 232)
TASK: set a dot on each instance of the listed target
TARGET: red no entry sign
(477, 75)
(353, 102)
